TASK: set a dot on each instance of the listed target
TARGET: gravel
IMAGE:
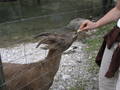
(73, 69)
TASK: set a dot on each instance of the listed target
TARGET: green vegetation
(94, 43)
(95, 40)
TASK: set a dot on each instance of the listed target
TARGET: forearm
(112, 15)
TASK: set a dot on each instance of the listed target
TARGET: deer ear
(48, 41)
(43, 34)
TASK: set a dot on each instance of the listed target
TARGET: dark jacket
(109, 39)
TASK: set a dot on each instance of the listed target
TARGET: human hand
(87, 25)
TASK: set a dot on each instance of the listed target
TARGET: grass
(94, 42)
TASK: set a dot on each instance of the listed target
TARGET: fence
(2, 79)
(20, 21)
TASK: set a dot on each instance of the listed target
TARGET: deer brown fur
(39, 75)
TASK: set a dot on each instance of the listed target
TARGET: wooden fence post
(2, 79)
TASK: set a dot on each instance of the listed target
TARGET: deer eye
(62, 39)
(52, 41)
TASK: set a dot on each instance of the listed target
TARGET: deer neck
(53, 54)
(54, 57)
(53, 60)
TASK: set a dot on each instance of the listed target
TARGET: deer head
(60, 42)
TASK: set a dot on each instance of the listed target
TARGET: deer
(39, 75)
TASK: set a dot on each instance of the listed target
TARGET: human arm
(112, 15)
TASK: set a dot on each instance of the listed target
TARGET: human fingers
(85, 29)
(84, 25)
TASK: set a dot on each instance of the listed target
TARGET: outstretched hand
(87, 25)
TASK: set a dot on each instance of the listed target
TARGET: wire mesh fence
(21, 20)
